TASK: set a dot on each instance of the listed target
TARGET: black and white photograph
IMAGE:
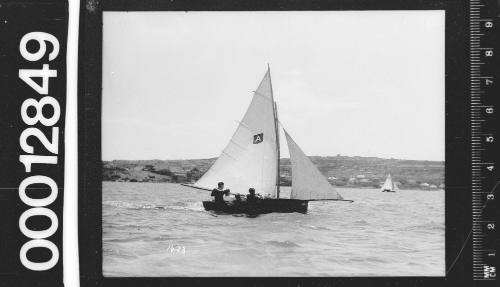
(249, 143)
(273, 143)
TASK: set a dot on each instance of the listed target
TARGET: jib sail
(308, 183)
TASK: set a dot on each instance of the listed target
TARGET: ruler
(484, 26)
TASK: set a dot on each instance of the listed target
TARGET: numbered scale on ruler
(484, 22)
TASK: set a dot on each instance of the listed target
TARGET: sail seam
(237, 144)
(228, 155)
(263, 96)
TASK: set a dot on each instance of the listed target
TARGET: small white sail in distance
(389, 184)
(308, 183)
(250, 158)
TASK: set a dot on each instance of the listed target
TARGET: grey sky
(367, 83)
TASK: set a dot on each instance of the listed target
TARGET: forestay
(308, 183)
(249, 159)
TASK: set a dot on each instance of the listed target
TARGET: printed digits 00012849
(39, 205)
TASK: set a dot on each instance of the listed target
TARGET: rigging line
(470, 232)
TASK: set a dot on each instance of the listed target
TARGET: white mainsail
(388, 184)
(308, 183)
(250, 158)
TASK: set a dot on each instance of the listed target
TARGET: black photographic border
(457, 138)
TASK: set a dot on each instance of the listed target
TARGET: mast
(278, 149)
(275, 112)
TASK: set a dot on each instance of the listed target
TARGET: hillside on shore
(340, 170)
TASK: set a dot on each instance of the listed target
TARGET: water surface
(161, 229)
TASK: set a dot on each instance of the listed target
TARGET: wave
(194, 206)
(430, 226)
(191, 206)
(368, 260)
(118, 254)
(117, 203)
(360, 222)
(128, 205)
(285, 244)
(129, 239)
(317, 227)
(179, 203)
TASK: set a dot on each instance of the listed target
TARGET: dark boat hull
(388, 190)
(260, 206)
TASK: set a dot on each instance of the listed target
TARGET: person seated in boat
(219, 192)
(251, 196)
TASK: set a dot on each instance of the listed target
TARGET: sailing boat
(251, 159)
(389, 185)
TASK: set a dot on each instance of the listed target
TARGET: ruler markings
(480, 113)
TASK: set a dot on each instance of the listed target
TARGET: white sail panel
(250, 158)
(388, 185)
(308, 183)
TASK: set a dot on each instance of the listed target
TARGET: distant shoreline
(341, 171)
(312, 156)
(343, 187)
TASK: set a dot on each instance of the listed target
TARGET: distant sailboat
(251, 159)
(389, 185)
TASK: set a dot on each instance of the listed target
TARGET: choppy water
(160, 229)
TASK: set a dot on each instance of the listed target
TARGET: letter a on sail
(258, 138)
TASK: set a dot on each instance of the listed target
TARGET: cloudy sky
(367, 83)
